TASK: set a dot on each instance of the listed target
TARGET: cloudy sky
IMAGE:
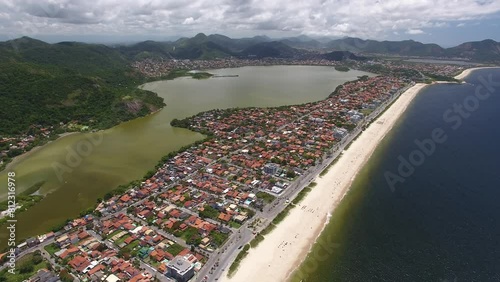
(446, 22)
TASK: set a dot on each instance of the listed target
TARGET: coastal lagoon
(80, 168)
(442, 222)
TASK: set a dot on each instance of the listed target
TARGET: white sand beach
(284, 248)
(466, 72)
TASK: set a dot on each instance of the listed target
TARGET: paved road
(31, 249)
(221, 260)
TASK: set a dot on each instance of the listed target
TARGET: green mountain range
(273, 49)
(213, 46)
(402, 48)
(203, 47)
(94, 84)
(485, 50)
(200, 47)
(480, 51)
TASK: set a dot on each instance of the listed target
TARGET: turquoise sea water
(440, 221)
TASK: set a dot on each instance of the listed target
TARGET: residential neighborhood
(186, 213)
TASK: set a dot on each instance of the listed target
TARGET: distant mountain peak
(200, 35)
(24, 42)
(216, 35)
(270, 49)
(262, 37)
(27, 39)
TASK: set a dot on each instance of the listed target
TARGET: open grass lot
(265, 196)
(112, 234)
(121, 240)
(52, 249)
(175, 249)
(25, 268)
(234, 224)
(130, 249)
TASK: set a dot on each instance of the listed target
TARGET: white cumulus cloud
(415, 31)
(362, 18)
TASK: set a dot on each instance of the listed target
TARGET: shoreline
(24, 155)
(283, 250)
(19, 158)
(467, 72)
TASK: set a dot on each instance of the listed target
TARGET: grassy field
(268, 229)
(259, 238)
(121, 240)
(25, 268)
(301, 195)
(52, 249)
(175, 249)
(267, 198)
(234, 224)
(113, 234)
(241, 255)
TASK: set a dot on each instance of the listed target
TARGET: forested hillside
(46, 84)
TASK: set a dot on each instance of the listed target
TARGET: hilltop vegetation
(486, 50)
(200, 46)
(481, 51)
(272, 49)
(46, 84)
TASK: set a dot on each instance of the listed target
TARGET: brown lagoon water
(125, 152)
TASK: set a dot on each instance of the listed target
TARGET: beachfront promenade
(288, 244)
(245, 235)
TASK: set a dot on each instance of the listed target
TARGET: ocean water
(439, 221)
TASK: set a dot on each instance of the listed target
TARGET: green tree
(37, 258)
(26, 268)
(108, 196)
